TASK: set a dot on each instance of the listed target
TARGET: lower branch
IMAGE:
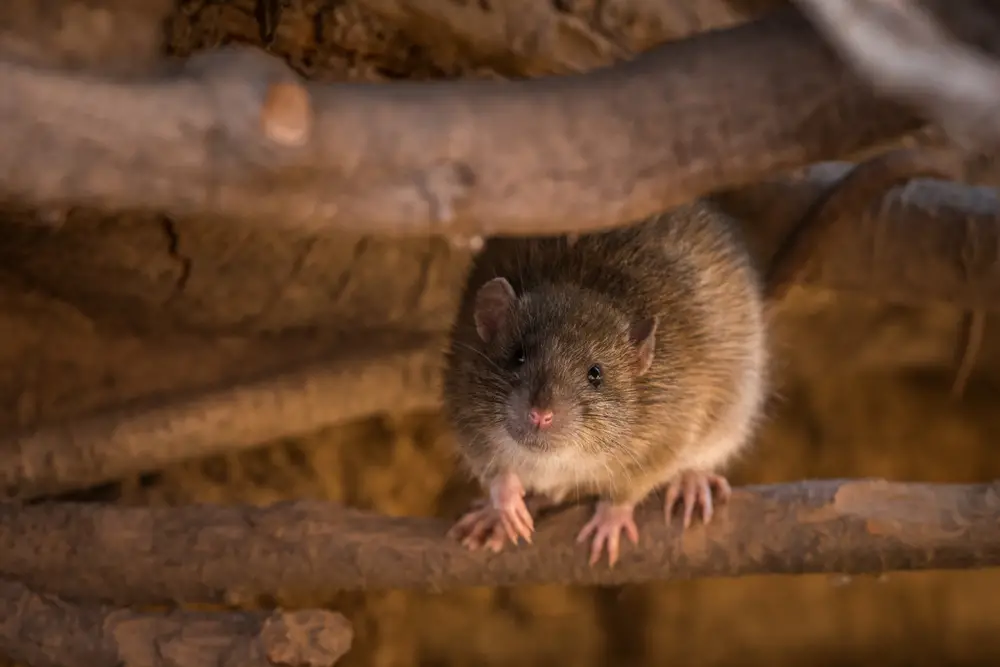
(62, 457)
(45, 631)
(310, 550)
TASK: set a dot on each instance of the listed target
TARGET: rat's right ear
(642, 334)
(493, 305)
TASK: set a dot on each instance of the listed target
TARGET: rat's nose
(540, 418)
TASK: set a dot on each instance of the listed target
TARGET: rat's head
(565, 363)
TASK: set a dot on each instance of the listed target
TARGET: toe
(525, 514)
(632, 531)
(722, 488)
(495, 541)
(508, 528)
(614, 540)
(596, 547)
(587, 530)
(705, 499)
(673, 492)
(461, 527)
(523, 523)
(690, 498)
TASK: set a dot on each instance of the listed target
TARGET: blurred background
(144, 308)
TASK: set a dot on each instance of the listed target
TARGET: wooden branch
(236, 134)
(310, 550)
(138, 438)
(901, 48)
(950, 232)
(524, 38)
(926, 241)
(45, 631)
(515, 38)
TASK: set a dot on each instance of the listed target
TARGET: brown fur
(694, 408)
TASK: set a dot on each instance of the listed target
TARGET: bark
(524, 38)
(235, 133)
(100, 636)
(310, 550)
(951, 232)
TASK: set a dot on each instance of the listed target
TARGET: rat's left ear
(494, 301)
(642, 334)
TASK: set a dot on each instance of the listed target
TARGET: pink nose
(540, 418)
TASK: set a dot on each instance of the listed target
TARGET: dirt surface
(96, 311)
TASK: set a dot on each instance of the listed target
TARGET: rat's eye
(594, 375)
(517, 356)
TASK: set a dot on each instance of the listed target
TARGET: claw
(694, 488)
(604, 529)
(504, 516)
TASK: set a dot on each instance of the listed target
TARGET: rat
(619, 362)
(626, 360)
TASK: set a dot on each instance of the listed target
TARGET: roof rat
(615, 364)
(618, 362)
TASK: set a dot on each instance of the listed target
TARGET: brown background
(98, 311)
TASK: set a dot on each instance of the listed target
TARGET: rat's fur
(693, 409)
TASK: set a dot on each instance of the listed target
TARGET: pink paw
(606, 526)
(692, 488)
(504, 516)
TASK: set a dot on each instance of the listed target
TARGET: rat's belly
(556, 474)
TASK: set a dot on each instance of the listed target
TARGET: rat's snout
(540, 413)
(540, 417)
(535, 417)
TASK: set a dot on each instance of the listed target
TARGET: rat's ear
(493, 305)
(642, 334)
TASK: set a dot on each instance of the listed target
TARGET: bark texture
(238, 555)
(45, 631)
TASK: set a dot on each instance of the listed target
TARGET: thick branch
(928, 241)
(310, 550)
(235, 134)
(106, 446)
(106, 637)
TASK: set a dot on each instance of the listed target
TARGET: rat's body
(621, 362)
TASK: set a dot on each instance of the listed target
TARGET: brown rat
(618, 362)
(615, 364)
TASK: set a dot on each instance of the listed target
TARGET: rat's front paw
(488, 526)
(504, 516)
(608, 522)
(694, 487)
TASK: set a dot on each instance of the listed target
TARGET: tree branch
(100, 636)
(309, 550)
(66, 456)
(902, 49)
(926, 241)
(525, 38)
(236, 134)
